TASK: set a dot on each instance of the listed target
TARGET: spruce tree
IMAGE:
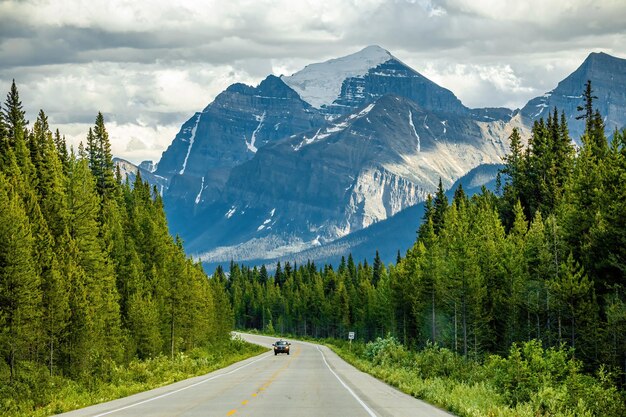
(61, 146)
(4, 139)
(105, 177)
(101, 333)
(377, 269)
(5, 146)
(587, 107)
(572, 290)
(440, 206)
(459, 195)
(20, 287)
(14, 115)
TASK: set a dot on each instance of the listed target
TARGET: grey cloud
(135, 144)
(73, 70)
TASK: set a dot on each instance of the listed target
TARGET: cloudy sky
(149, 65)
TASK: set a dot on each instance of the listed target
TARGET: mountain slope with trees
(543, 258)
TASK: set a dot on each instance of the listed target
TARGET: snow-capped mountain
(145, 169)
(340, 86)
(227, 133)
(608, 81)
(301, 161)
(313, 188)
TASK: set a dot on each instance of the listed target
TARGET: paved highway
(310, 382)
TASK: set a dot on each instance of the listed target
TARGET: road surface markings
(181, 389)
(360, 401)
(269, 381)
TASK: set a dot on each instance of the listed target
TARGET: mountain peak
(371, 51)
(601, 61)
(593, 56)
(320, 84)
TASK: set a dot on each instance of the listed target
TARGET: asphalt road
(310, 382)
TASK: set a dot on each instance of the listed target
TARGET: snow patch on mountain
(333, 128)
(198, 197)
(271, 246)
(230, 212)
(250, 145)
(419, 145)
(267, 221)
(191, 140)
(320, 84)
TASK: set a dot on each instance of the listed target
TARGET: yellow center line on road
(269, 381)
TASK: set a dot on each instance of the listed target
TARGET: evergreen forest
(543, 258)
(91, 281)
(90, 278)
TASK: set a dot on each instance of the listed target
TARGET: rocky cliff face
(225, 134)
(608, 81)
(300, 162)
(315, 187)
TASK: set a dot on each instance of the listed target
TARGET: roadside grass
(37, 394)
(529, 382)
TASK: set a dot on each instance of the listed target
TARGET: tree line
(541, 258)
(89, 274)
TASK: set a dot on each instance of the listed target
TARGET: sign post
(351, 338)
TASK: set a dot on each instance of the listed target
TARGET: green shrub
(529, 382)
(35, 393)
(528, 368)
(386, 351)
(438, 362)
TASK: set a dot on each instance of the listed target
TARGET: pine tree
(573, 292)
(20, 287)
(104, 173)
(377, 269)
(61, 146)
(4, 138)
(440, 206)
(101, 332)
(14, 115)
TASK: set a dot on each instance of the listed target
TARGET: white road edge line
(181, 389)
(367, 409)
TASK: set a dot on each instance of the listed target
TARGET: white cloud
(148, 66)
(471, 83)
(129, 141)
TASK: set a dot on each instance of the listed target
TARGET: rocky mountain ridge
(303, 160)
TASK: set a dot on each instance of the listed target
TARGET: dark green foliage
(90, 278)
(544, 261)
(440, 205)
(20, 291)
(537, 176)
(14, 115)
